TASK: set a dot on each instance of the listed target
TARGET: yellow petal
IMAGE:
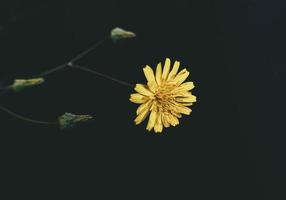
(183, 109)
(181, 77)
(152, 120)
(174, 71)
(138, 98)
(142, 89)
(187, 94)
(187, 104)
(159, 73)
(158, 128)
(176, 114)
(172, 120)
(185, 86)
(143, 107)
(187, 99)
(140, 118)
(166, 69)
(152, 86)
(149, 74)
(165, 122)
(182, 94)
(153, 106)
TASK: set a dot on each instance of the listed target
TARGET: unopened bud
(21, 84)
(68, 121)
(120, 34)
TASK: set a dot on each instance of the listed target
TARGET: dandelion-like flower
(165, 97)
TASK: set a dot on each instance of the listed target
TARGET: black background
(231, 147)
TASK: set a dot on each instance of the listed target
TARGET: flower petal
(149, 74)
(159, 73)
(181, 77)
(142, 89)
(166, 69)
(164, 120)
(174, 71)
(152, 86)
(158, 128)
(185, 86)
(176, 114)
(187, 104)
(138, 98)
(183, 109)
(182, 94)
(187, 99)
(172, 120)
(140, 118)
(143, 107)
(152, 120)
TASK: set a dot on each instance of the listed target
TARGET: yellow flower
(165, 97)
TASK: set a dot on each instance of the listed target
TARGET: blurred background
(231, 147)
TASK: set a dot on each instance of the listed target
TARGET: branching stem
(70, 64)
(73, 60)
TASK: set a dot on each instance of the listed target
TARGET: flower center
(164, 95)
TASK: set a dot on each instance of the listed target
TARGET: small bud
(119, 34)
(21, 84)
(68, 121)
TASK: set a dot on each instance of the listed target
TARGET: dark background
(231, 147)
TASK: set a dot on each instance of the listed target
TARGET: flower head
(165, 97)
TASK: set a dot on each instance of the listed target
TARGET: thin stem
(74, 59)
(91, 48)
(52, 70)
(102, 75)
(55, 69)
(63, 66)
(25, 118)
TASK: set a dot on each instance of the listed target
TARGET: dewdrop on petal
(68, 120)
(120, 34)
(21, 84)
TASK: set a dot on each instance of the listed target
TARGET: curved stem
(25, 118)
(102, 75)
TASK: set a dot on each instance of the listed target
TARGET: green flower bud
(21, 84)
(120, 34)
(68, 121)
